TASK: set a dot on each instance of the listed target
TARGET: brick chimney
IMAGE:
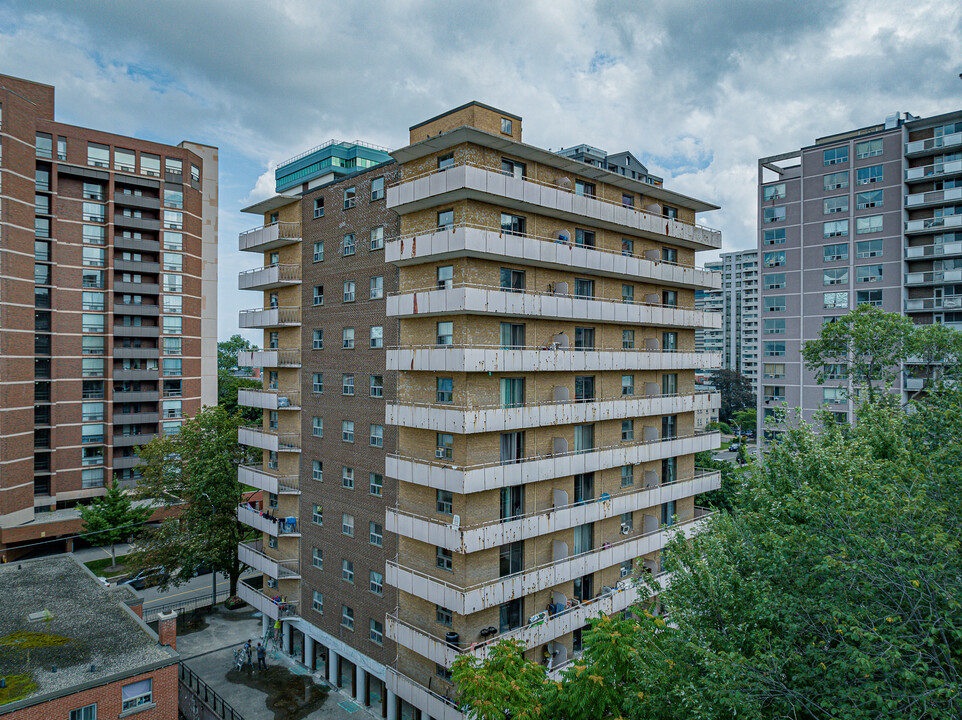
(167, 628)
(137, 605)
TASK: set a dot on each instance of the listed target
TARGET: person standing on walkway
(248, 654)
(261, 657)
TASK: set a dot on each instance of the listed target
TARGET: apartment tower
(869, 216)
(545, 395)
(108, 307)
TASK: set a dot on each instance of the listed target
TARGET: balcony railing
(274, 606)
(490, 180)
(933, 197)
(933, 223)
(946, 302)
(278, 527)
(289, 316)
(933, 277)
(934, 143)
(267, 480)
(414, 693)
(269, 399)
(951, 167)
(270, 277)
(940, 250)
(253, 554)
(285, 357)
(269, 237)
(258, 437)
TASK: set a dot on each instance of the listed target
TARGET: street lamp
(213, 570)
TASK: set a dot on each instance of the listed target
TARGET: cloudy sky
(697, 90)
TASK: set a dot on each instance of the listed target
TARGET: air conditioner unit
(625, 528)
(439, 453)
(271, 583)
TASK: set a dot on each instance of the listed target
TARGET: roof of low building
(62, 630)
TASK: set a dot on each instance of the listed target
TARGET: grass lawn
(99, 567)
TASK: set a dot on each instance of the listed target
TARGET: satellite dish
(456, 521)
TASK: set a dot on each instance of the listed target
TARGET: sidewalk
(85, 555)
(210, 654)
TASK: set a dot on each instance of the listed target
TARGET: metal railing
(554, 346)
(184, 606)
(284, 272)
(287, 230)
(205, 694)
(288, 314)
(329, 143)
(546, 403)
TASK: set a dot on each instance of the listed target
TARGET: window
(173, 304)
(194, 174)
(94, 234)
(443, 615)
(377, 436)
(586, 189)
(137, 694)
(512, 168)
(514, 280)
(318, 339)
(627, 430)
(833, 395)
(869, 148)
(868, 224)
(174, 198)
(347, 384)
(831, 253)
(350, 197)
(868, 248)
(775, 326)
(377, 188)
(349, 287)
(377, 632)
(835, 205)
(377, 534)
(44, 145)
(627, 200)
(89, 712)
(773, 192)
(627, 339)
(317, 558)
(445, 219)
(377, 583)
(173, 241)
(774, 281)
(318, 383)
(775, 303)
(583, 288)
(347, 571)
(627, 247)
(669, 341)
(319, 251)
(347, 431)
(173, 220)
(836, 371)
(627, 385)
(347, 525)
(347, 617)
(445, 277)
(377, 336)
(774, 259)
(834, 156)
(835, 228)
(774, 393)
(584, 438)
(377, 238)
(445, 333)
(868, 297)
(375, 484)
(835, 181)
(774, 237)
(835, 276)
(774, 349)
(774, 371)
(317, 427)
(512, 224)
(835, 300)
(444, 502)
(94, 256)
(505, 126)
(773, 214)
(317, 470)
(868, 175)
(669, 298)
(348, 245)
(317, 602)
(868, 273)
(150, 164)
(347, 338)
(669, 212)
(868, 199)
(98, 155)
(443, 558)
(445, 446)
(445, 390)
(584, 238)
(445, 161)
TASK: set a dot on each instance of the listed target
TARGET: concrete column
(309, 652)
(391, 699)
(360, 685)
(332, 667)
(265, 623)
(287, 632)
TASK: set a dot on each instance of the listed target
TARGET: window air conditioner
(625, 528)
(439, 453)
(271, 583)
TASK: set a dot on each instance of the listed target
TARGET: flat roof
(88, 626)
(462, 107)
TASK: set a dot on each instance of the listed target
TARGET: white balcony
(486, 300)
(490, 185)
(286, 358)
(270, 277)
(270, 317)
(429, 702)
(473, 537)
(932, 145)
(467, 600)
(280, 527)
(269, 439)
(479, 358)
(252, 554)
(941, 169)
(941, 250)
(933, 197)
(269, 605)
(269, 399)
(268, 481)
(551, 252)
(270, 237)
(480, 419)
(946, 302)
(936, 277)
(535, 468)
(933, 224)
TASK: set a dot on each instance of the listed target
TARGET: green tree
(830, 590)
(227, 387)
(735, 391)
(227, 351)
(723, 497)
(112, 518)
(198, 469)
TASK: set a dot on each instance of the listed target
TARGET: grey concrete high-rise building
(867, 216)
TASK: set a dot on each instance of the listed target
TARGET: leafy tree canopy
(735, 390)
(227, 351)
(112, 519)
